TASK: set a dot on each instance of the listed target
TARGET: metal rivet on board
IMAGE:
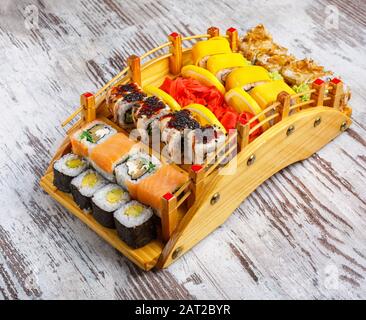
(317, 121)
(290, 130)
(344, 126)
(251, 160)
(215, 198)
(177, 252)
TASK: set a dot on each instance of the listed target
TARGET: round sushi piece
(174, 147)
(107, 200)
(65, 169)
(206, 141)
(222, 64)
(89, 136)
(202, 50)
(267, 93)
(137, 167)
(149, 112)
(119, 91)
(134, 223)
(303, 71)
(113, 151)
(125, 107)
(247, 77)
(175, 128)
(177, 122)
(84, 186)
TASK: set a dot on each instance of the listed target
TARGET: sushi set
(169, 148)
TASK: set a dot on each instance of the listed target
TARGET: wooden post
(243, 130)
(284, 108)
(197, 174)
(134, 63)
(213, 32)
(233, 35)
(335, 93)
(87, 101)
(176, 60)
(169, 215)
(318, 95)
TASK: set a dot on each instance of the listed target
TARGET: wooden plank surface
(300, 235)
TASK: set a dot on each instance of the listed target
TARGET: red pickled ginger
(187, 91)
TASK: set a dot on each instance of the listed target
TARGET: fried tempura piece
(303, 71)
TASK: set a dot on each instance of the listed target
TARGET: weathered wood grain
(300, 235)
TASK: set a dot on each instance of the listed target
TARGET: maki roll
(265, 94)
(177, 122)
(136, 168)
(126, 107)
(222, 64)
(89, 136)
(149, 112)
(206, 141)
(273, 62)
(65, 169)
(202, 50)
(111, 152)
(256, 40)
(122, 101)
(107, 200)
(84, 186)
(119, 91)
(175, 130)
(247, 77)
(303, 71)
(151, 189)
(135, 224)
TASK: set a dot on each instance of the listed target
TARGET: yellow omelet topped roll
(202, 50)
(222, 64)
(267, 93)
(247, 77)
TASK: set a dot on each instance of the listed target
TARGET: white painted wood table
(300, 235)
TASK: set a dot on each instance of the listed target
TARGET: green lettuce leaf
(302, 88)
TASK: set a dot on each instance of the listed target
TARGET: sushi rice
(70, 165)
(149, 112)
(204, 142)
(88, 182)
(110, 197)
(135, 224)
(125, 107)
(133, 214)
(109, 176)
(105, 201)
(91, 135)
(65, 169)
(138, 166)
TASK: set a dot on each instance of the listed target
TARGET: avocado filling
(74, 163)
(134, 210)
(115, 195)
(89, 180)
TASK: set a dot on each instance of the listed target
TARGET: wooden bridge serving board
(299, 235)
